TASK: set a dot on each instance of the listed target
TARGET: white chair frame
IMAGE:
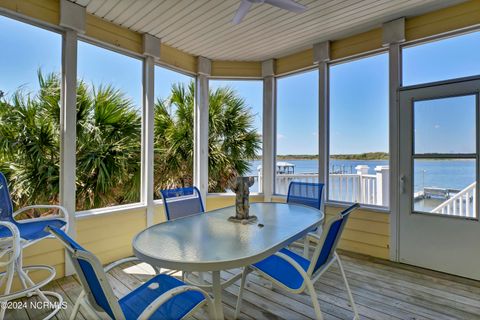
(15, 263)
(87, 301)
(309, 277)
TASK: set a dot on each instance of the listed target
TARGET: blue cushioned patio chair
(308, 194)
(182, 202)
(162, 297)
(296, 274)
(30, 231)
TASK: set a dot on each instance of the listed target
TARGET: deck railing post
(361, 191)
(383, 183)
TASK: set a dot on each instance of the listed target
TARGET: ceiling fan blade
(289, 5)
(242, 11)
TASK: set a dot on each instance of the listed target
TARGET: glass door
(438, 225)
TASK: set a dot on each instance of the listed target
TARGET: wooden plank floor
(382, 290)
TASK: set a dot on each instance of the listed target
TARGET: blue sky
(358, 96)
(297, 113)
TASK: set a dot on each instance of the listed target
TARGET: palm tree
(108, 145)
(233, 140)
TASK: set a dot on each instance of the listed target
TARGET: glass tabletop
(208, 241)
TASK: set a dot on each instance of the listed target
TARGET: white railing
(283, 180)
(354, 188)
(461, 204)
(347, 187)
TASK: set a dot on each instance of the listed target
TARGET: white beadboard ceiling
(204, 28)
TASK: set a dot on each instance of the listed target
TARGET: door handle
(402, 184)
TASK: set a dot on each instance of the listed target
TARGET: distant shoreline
(361, 156)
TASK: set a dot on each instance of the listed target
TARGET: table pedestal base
(217, 295)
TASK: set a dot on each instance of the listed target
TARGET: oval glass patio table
(209, 242)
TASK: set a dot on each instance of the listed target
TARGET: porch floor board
(382, 290)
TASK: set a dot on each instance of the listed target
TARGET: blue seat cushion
(33, 230)
(177, 307)
(283, 271)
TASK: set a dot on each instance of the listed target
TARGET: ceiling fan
(245, 5)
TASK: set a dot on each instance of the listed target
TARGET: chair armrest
(114, 264)
(158, 302)
(43, 206)
(13, 244)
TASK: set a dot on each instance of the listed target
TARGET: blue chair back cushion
(30, 231)
(306, 193)
(88, 272)
(327, 248)
(333, 235)
(6, 207)
(182, 202)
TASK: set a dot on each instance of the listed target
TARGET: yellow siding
(363, 42)
(110, 236)
(43, 10)
(366, 232)
(245, 69)
(159, 214)
(178, 59)
(452, 18)
(110, 33)
(294, 62)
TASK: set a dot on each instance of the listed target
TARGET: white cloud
(280, 136)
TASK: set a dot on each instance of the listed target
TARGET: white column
(68, 125)
(321, 58)
(269, 129)
(200, 155)
(72, 18)
(151, 50)
(393, 35)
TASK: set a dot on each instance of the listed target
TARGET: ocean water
(451, 174)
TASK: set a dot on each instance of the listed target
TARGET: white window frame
(213, 78)
(344, 204)
(312, 68)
